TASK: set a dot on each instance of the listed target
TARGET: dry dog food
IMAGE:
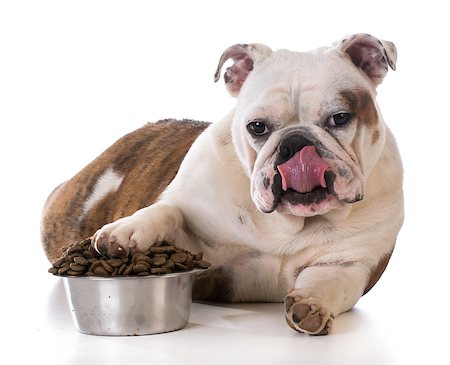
(81, 259)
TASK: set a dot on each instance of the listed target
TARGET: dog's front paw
(307, 315)
(127, 234)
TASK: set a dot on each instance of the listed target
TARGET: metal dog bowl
(130, 306)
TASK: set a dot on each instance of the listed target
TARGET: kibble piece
(58, 262)
(100, 271)
(169, 265)
(140, 257)
(63, 270)
(143, 273)
(179, 257)
(121, 269)
(163, 249)
(159, 261)
(53, 270)
(77, 267)
(81, 261)
(160, 270)
(181, 266)
(140, 267)
(128, 270)
(115, 262)
(75, 249)
(189, 262)
(106, 266)
(72, 256)
(74, 273)
(95, 264)
(87, 254)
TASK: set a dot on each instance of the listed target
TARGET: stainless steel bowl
(129, 306)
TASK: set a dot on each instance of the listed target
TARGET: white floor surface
(392, 324)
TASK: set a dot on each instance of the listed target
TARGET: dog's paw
(307, 315)
(123, 236)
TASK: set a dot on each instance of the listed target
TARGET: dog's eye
(339, 119)
(258, 128)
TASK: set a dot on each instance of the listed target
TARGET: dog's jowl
(296, 195)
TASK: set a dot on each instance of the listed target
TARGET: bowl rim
(133, 277)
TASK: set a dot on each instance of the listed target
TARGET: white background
(76, 76)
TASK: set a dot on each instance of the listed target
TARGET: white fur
(107, 183)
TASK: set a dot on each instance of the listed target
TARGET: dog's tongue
(304, 171)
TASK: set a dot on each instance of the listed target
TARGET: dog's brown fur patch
(148, 158)
(360, 103)
(377, 272)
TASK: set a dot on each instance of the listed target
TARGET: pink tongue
(304, 171)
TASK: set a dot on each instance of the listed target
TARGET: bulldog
(294, 196)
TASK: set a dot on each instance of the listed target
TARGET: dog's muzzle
(302, 177)
(300, 167)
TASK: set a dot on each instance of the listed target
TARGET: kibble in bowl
(145, 293)
(81, 259)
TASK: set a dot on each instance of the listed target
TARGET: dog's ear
(371, 55)
(245, 57)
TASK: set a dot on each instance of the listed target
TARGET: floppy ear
(371, 55)
(245, 57)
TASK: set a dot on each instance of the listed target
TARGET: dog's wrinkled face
(306, 126)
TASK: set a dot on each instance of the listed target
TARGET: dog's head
(306, 126)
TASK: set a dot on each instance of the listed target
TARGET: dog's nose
(290, 146)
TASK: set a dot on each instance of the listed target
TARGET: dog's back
(129, 175)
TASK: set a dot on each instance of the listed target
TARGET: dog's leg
(322, 292)
(139, 231)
